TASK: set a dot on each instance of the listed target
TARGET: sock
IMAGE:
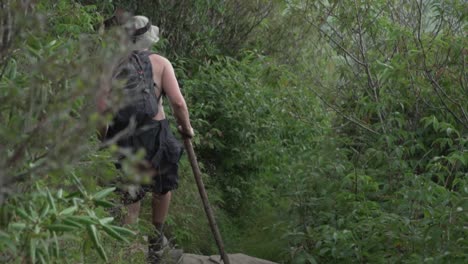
(159, 229)
(156, 240)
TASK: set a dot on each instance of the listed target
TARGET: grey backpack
(139, 95)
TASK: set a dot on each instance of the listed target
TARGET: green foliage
(402, 130)
(43, 91)
(239, 110)
(70, 18)
(255, 131)
(47, 134)
(201, 29)
(328, 132)
(36, 231)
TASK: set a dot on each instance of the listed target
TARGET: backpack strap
(148, 67)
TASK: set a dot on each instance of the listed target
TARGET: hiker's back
(159, 65)
(139, 102)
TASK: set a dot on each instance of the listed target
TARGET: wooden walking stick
(204, 197)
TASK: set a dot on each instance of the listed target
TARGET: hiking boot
(156, 246)
(160, 251)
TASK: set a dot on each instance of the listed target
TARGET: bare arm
(179, 107)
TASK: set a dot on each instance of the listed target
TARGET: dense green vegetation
(328, 131)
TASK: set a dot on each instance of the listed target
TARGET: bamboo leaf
(32, 212)
(22, 213)
(18, 226)
(105, 221)
(103, 193)
(102, 253)
(44, 210)
(70, 222)
(122, 230)
(32, 250)
(51, 201)
(44, 252)
(92, 231)
(61, 228)
(69, 210)
(114, 234)
(56, 248)
(86, 220)
(60, 193)
(80, 186)
(7, 241)
(104, 203)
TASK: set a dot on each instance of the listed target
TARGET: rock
(216, 259)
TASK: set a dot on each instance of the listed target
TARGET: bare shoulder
(160, 60)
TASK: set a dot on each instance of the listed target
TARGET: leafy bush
(47, 132)
(328, 133)
(38, 230)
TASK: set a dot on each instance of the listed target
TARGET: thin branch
(370, 80)
(438, 90)
(355, 59)
(434, 83)
(334, 108)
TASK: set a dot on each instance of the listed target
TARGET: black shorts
(163, 152)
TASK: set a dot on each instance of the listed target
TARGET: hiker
(153, 134)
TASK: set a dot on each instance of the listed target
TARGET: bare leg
(159, 242)
(133, 210)
(160, 208)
